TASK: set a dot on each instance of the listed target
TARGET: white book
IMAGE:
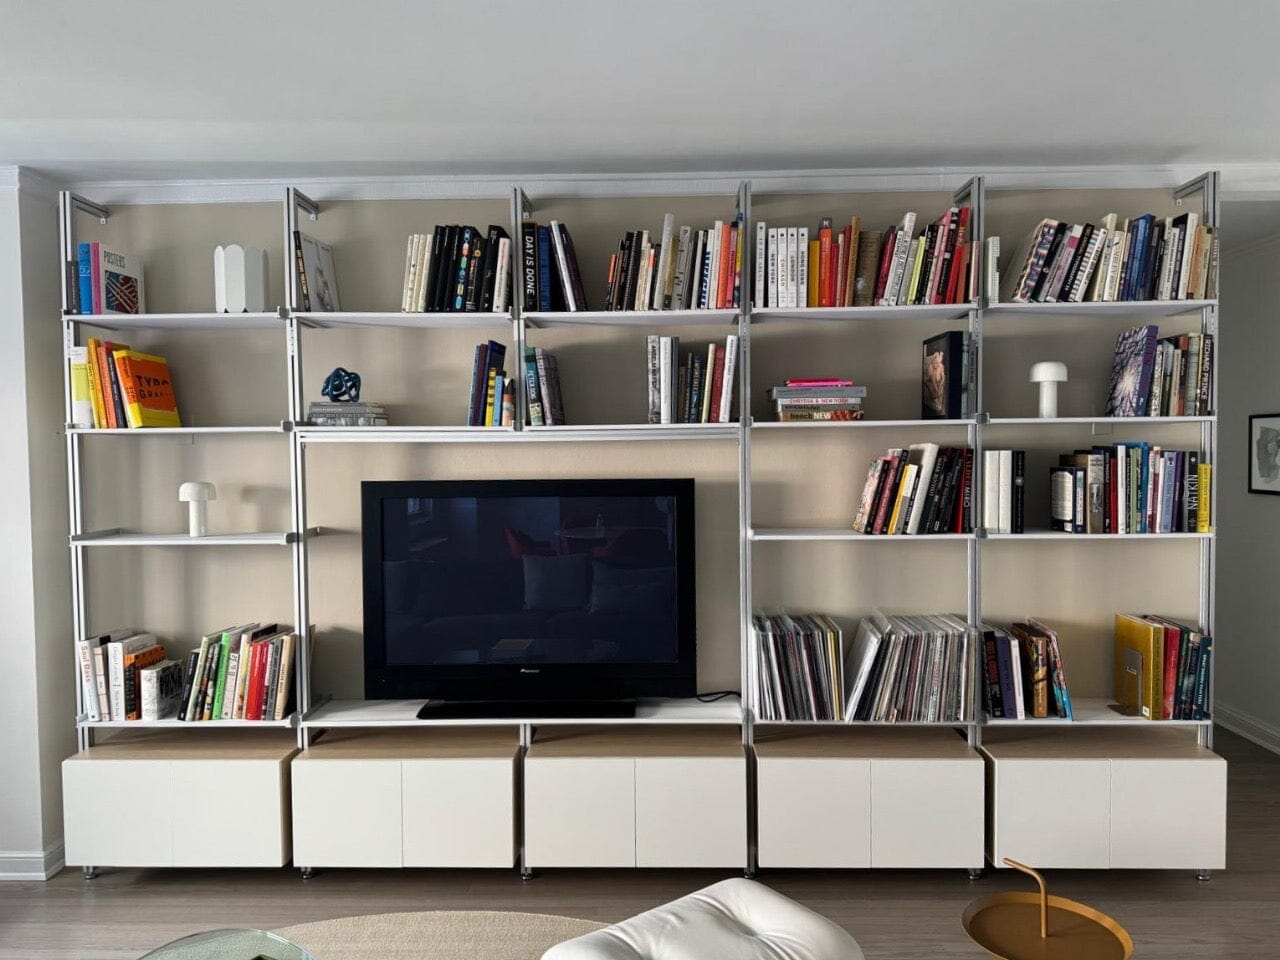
(992, 269)
(501, 275)
(120, 283)
(1098, 282)
(665, 374)
(88, 684)
(680, 285)
(1164, 282)
(906, 233)
(730, 367)
(802, 267)
(645, 285)
(410, 273)
(772, 294)
(116, 650)
(704, 415)
(1006, 491)
(991, 491)
(424, 271)
(159, 690)
(1188, 249)
(1122, 489)
(1116, 267)
(759, 277)
(858, 661)
(1015, 658)
(793, 262)
(714, 241)
(662, 291)
(562, 263)
(100, 680)
(928, 458)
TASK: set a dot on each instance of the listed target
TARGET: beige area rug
(437, 935)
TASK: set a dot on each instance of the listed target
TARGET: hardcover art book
(944, 383)
(317, 279)
(1131, 372)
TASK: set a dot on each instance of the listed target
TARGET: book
(317, 278)
(942, 391)
(146, 387)
(117, 280)
(161, 690)
(1131, 372)
(1139, 666)
(81, 401)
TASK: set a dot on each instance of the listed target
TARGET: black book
(461, 267)
(479, 369)
(633, 272)
(444, 276)
(1077, 261)
(475, 274)
(529, 264)
(942, 378)
(433, 270)
(948, 256)
(188, 678)
(926, 267)
(1155, 246)
(209, 683)
(1055, 247)
(1180, 223)
(611, 284)
(991, 675)
(941, 522)
(933, 495)
(571, 260)
(489, 273)
(1019, 490)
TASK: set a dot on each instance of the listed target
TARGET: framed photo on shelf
(1264, 453)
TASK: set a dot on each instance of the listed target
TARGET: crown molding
(24, 180)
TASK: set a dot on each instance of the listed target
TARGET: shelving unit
(794, 545)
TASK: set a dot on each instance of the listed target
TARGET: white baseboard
(35, 865)
(1264, 734)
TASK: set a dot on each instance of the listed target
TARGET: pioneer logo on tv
(529, 670)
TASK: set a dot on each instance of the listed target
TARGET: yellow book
(814, 252)
(147, 389)
(488, 398)
(1139, 666)
(915, 270)
(903, 494)
(81, 405)
(1204, 515)
(95, 385)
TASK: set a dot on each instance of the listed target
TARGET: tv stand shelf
(334, 714)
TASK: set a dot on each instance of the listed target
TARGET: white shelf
(934, 724)
(1110, 421)
(174, 431)
(404, 713)
(181, 321)
(419, 321)
(942, 311)
(857, 424)
(120, 538)
(1094, 712)
(287, 723)
(405, 434)
(1124, 308)
(843, 533)
(1095, 537)
(630, 318)
(635, 431)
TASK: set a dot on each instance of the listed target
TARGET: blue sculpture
(342, 386)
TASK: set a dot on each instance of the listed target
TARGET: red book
(886, 261)
(819, 383)
(960, 260)
(893, 473)
(717, 385)
(1172, 640)
(825, 273)
(727, 234)
(257, 681)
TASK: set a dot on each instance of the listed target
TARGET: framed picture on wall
(1264, 453)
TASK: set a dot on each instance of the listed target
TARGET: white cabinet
(214, 798)
(423, 797)
(636, 796)
(863, 797)
(1133, 797)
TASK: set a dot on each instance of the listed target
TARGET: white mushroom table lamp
(196, 494)
(1049, 373)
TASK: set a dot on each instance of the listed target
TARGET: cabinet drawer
(691, 812)
(580, 812)
(117, 813)
(346, 813)
(1052, 813)
(1169, 814)
(927, 813)
(458, 812)
(229, 813)
(814, 812)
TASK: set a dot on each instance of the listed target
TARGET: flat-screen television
(556, 591)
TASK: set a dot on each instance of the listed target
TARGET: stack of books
(691, 387)
(114, 387)
(492, 402)
(457, 270)
(106, 282)
(799, 671)
(1154, 377)
(550, 279)
(1130, 488)
(542, 388)
(921, 489)
(809, 400)
(1162, 668)
(685, 269)
(909, 669)
(852, 267)
(1146, 258)
(362, 413)
(1022, 673)
(1004, 478)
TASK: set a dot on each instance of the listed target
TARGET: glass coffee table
(230, 945)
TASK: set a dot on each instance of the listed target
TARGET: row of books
(542, 388)
(1004, 478)
(693, 387)
(362, 413)
(114, 387)
(1146, 258)
(1022, 672)
(910, 669)
(492, 401)
(685, 269)
(1162, 668)
(1154, 377)
(921, 489)
(550, 278)
(457, 270)
(106, 281)
(818, 400)
(1130, 488)
(852, 267)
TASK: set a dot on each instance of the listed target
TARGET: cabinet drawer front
(229, 813)
(346, 813)
(117, 813)
(458, 813)
(814, 812)
(1052, 813)
(927, 813)
(579, 812)
(1169, 814)
(691, 812)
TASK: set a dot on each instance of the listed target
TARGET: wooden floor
(894, 915)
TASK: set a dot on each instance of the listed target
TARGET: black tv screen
(528, 589)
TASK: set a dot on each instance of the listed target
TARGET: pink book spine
(819, 383)
(95, 255)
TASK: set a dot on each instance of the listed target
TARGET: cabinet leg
(91, 873)
(1204, 876)
(526, 873)
(975, 874)
(308, 873)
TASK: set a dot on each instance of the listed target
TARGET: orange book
(825, 273)
(726, 265)
(147, 389)
(814, 297)
(133, 663)
(106, 375)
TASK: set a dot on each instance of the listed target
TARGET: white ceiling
(232, 88)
